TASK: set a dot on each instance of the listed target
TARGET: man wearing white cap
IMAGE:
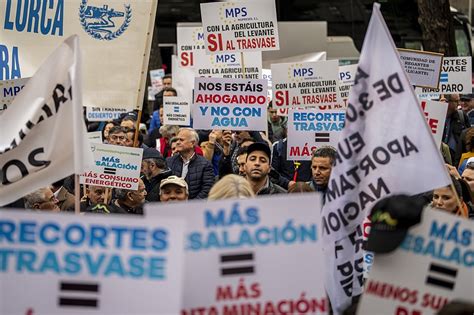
(468, 173)
(173, 188)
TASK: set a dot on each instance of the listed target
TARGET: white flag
(43, 130)
(385, 148)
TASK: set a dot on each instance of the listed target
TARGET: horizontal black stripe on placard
(237, 271)
(322, 134)
(74, 286)
(321, 140)
(236, 257)
(64, 301)
(443, 270)
(440, 283)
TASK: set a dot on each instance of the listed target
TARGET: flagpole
(77, 195)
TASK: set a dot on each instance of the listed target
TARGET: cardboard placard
(240, 26)
(104, 114)
(176, 111)
(229, 65)
(114, 166)
(422, 67)
(346, 81)
(8, 90)
(95, 136)
(435, 113)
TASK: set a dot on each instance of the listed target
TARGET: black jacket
(200, 177)
(458, 122)
(271, 189)
(153, 186)
(285, 167)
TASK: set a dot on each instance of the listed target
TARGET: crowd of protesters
(180, 163)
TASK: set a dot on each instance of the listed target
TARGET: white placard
(240, 26)
(432, 267)
(114, 74)
(308, 84)
(237, 104)
(104, 114)
(8, 90)
(228, 65)
(423, 68)
(114, 166)
(234, 245)
(176, 111)
(58, 261)
(156, 78)
(95, 137)
(346, 80)
(309, 129)
(190, 40)
(455, 78)
(435, 113)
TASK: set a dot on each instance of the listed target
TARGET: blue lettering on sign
(225, 58)
(303, 72)
(200, 36)
(34, 16)
(345, 75)
(236, 12)
(9, 63)
(12, 91)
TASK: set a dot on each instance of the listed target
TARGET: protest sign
(43, 131)
(183, 79)
(369, 158)
(104, 114)
(95, 137)
(176, 111)
(308, 129)
(8, 90)
(237, 104)
(114, 74)
(190, 40)
(240, 26)
(234, 244)
(65, 264)
(435, 113)
(346, 80)
(308, 84)
(455, 78)
(114, 166)
(156, 78)
(229, 65)
(422, 67)
(432, 267)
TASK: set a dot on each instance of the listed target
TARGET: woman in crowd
(231, 186)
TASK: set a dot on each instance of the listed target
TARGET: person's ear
(36, 206)
(129, 195)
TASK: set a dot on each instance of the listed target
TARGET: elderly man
(173, 188)
(94, 195)
(129, 201)
(195, 169)
(155, 170)
(42, 199)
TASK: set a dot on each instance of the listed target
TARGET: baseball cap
(259, 146)
(467, 97)
(175, 180)
(391, 218)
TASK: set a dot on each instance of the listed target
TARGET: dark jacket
(153, 186)
(285, 167)
(271, 189)
(454, 125)
(200, 177)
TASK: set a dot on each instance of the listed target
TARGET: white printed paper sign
(190, 40)
(346, 80)
(307, 84)
(432, 267)
(176, 111)
(114, 166)
(95, 136)
(114, 74)
(103, 114)
(435, 113)
(66, 264)
(309, 129)
(455, 78)
(423, 68)
(228, 65)
(235, 104)
(254, 254)
(9, 89)
(240, 26)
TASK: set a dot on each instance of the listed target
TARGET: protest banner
(8, 90)
(435, 113)
(156, 77)
(114, 166)
(95, 137)
(104, 114)
(43, 131)
(346, 80)
(422, 67)
(176, 111)
(309, 129)
(455, 78)
(308, 84)
(237, 104)
(240, 26)
(190, 40)
(60, 263)
(234, 244)
(432, 267)
(183, 79)
(114, 74)
(229, 65)
(369, 158)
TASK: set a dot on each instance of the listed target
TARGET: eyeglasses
(119, 138)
